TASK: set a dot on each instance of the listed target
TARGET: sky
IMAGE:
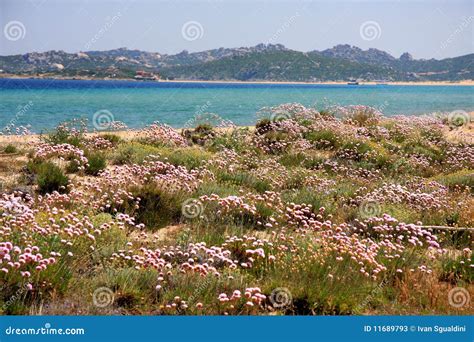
(426, 29)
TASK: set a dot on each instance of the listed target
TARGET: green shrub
(235, 140)
(10, 149)
(114, 139)
(223, 190)
(292, 159)
(245, 179)
(313, 162)
(263, 126)
(96, 163)
(355, 150)
(323, 139)
(308, 196)
(457, 269)
(68, 132)
(200, 135)
(460, 179)
(189, 157)
(72, 167)
(51, 178)
(133, 153)
(363, 116)
(158, 208)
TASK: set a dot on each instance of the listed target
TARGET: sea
(41, 104)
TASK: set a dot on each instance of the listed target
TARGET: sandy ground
(442, 83)
(126, 135)
(464, 82)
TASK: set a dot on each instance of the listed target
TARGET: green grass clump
(10, 149)
(50, 178)
(190, 157)
(113, 138)
(244, 179)
(68, 132)
(311, 197)
(292, 159)
(133, 153)
(158, 208)
(200, 135)
(458, 180)
(136, 153)
(457, 269)
(323, 139)
(96, 163)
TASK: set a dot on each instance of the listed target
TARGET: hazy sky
(426, 29)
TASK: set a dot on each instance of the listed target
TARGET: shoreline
(460, 133)
(396, 83)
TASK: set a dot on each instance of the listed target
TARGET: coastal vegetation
(334, 211)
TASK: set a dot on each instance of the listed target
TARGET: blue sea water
(43, 103)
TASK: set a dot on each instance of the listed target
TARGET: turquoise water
(42, 104)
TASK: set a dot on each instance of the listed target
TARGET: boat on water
(353, 82)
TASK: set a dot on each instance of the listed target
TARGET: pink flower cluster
(63, 152)
(419, 199)
(14, 259)
(360, 115)
(252, 296)
(97, 143)
(112, 187)
(163, 134)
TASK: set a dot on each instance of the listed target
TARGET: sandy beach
(421, 83)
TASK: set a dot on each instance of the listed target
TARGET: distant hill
(272, 62)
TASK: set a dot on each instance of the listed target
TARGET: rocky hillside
(271, 62)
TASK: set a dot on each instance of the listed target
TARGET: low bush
(50, 178)
(200, 135)
(96, 163)
(10, 149)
